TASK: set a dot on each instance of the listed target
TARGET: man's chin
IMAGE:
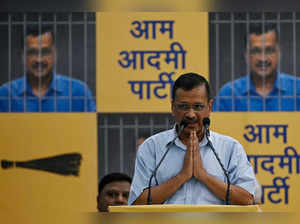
(262, 75)
(39, 74)
(264, 72)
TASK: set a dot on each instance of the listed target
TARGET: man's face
(39, 55)
(193, 106)
(114, 193)
(262, 54)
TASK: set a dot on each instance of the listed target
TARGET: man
(41, 89)
(190, 173)
(113, 189)
(266, 88)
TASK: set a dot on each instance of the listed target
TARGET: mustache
(187, 120)
(39, 65)
(263, 64)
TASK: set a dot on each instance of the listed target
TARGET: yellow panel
(270, 139)
(34, 136)
(114, 36)
(184, 208)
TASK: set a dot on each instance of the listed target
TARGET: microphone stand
(222, 166)
(149, 198)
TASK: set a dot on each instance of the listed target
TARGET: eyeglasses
(266, 51)
(44, 52)
(187, 107)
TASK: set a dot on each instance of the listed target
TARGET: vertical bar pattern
(24, 60)
(247, 59)
(217, 56)
(55, 60)
(85, 55)
(121, 144)
(279, 56)
(286, 23)
(105, 145)
(294, 59)
(9, 63)
(125, 145)
(16, 25)
(40, 55)
(70, 60)
(232, 54)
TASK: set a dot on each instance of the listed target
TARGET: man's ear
(210, 104)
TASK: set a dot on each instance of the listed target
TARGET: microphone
(206, 123)
(182, 126)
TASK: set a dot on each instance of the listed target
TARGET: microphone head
(184, 123)
(206, 121)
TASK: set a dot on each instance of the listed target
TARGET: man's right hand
(187, 170)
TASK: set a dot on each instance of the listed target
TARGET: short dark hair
(259, 29)
(112, 177)
(37, 30)
(189, 81)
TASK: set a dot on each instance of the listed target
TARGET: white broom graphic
(65, 164)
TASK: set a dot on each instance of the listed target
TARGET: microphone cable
(206, 123)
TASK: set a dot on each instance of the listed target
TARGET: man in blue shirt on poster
(266, 88)
(41, 89)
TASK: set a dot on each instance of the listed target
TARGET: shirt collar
(56, 84)
(23, 85)
(249, 85)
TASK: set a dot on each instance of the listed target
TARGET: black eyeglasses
(187, 107)
(266, 51)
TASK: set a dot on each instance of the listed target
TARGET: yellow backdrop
(136, 55)
(271, 140)
(32, 193)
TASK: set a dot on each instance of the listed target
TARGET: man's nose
(191, 113)
(120, 199)
(262, 56)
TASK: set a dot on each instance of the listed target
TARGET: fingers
(194, 141)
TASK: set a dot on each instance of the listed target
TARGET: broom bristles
(65, 164)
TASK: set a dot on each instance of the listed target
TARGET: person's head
(262, 50)
(39, 50)
(113, 189)
(191, 100)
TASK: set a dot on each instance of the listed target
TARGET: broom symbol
(65, 164)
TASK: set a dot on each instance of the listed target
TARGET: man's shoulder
(164, 135)
(65, 82)
(13, 85)
(288, 77)
(223, 139)
(235, 84)
(67, 79)
(160, 138)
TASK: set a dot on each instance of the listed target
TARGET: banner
(48, 163)
(271, 143)
(140, 55)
